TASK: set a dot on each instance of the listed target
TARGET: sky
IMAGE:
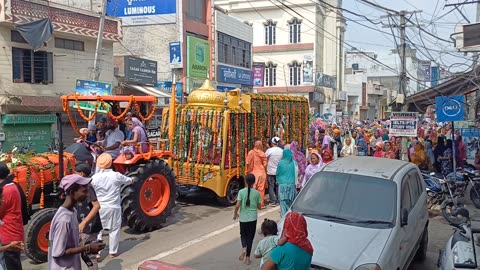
(435, 18)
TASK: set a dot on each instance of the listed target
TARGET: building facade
(297, 48)
(234, 41)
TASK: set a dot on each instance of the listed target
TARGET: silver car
(365, 213)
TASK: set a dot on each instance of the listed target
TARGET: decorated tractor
(214, 132)
(146, 203)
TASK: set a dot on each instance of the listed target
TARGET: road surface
(202, 235)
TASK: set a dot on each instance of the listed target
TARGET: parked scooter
(460, 251)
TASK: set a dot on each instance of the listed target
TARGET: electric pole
(96, 68)
(403, 79)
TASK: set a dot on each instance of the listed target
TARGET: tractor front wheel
(36, 235)
(148, 202)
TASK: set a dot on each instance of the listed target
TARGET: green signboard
(198, 57)
(15, 119)
(33, 131)
(35, 137)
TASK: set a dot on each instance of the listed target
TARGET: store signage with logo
(175, 55)
(143, 12)
(139, 70)
(193, 84)
(450, 108)
(325, 80)
(403, 124)
(258, 74)
(307, 69)
(234, 75)
(198, 58)
(92, 88)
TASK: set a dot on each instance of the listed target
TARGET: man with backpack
(11, 216)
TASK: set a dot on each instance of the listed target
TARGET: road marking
(200, 239)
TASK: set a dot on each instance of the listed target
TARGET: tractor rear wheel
(148, 202)
(36, 235)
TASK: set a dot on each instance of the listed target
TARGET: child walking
(248, 202)
(271, 240)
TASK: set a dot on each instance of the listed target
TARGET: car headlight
(369, 266)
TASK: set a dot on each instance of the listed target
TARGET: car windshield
(348, 198)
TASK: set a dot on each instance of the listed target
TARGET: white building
(298, 46)
(381, 82)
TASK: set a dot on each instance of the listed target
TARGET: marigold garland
(149, 115)
(122, 115)
(214, 140)
(237, 142)
(42, 185)
(80, 111)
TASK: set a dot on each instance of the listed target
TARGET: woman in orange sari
(256, 164)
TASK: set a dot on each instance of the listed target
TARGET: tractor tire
(149, 200)
(233, 188)
(36, 235)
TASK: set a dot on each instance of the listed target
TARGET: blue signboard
(92, 88)
(224, 88)
(427, 72)
(435, 76)
(167, 87)
(143, 12)
(450, 108)
(234, 75)
(175, 55)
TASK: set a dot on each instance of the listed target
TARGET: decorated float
(214, 131)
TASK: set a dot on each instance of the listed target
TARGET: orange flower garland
(151, 113)
(42, 185)
(192, 124)
(73, 123)
(122, 115)
(245, 136)
(237, 139)
(80, 111)
(214, 130)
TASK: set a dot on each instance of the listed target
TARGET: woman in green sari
(286, 177)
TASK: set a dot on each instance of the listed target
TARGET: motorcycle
(460, 251)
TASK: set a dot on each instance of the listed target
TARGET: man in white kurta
(107, 184)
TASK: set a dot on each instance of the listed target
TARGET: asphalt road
(202, 235)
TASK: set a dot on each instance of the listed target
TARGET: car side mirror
(404, 217)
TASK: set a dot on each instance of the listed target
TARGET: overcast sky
(433, 18)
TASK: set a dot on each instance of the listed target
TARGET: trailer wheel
(233, 188)
(148, 202)
(36, 235)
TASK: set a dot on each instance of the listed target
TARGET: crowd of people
(281, 170)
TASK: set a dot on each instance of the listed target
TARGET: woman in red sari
(256, 164)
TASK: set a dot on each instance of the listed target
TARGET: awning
(148, 90)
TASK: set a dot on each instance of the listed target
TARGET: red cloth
(325, 160)
(11, 215)
(295, 230)
(380, 154)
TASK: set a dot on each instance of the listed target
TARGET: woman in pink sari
(256, 164)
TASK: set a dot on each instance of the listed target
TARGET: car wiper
(371, 221)
(328, 217)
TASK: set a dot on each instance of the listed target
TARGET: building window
(270, 74)
(270, 32)
(32, 67)
(294, 26)
(17, 37)
(233, 51)
(196, 10)
(69, 44)
(295, 71)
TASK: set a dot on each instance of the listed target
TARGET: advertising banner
(325, 80)
(143, 12)
(139, 70)
(450, 108)
(471, 138)
(308, 69)
(175, 55)
(435, 76)
(92, 88)
(198, 58)
(403, 124)
(234, 75)
(427, 72)
(258, 74)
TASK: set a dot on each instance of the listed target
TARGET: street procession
(225, 134)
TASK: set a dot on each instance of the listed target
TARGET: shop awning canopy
(148, 90)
